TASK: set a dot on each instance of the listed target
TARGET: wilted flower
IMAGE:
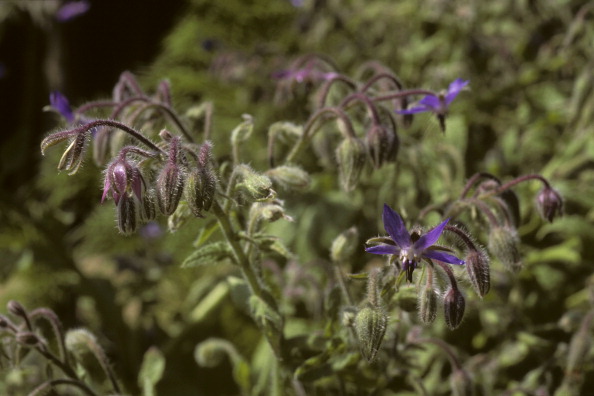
(60, 103)
(409, 252)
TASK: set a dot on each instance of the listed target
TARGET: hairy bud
(85, 349)
(453, 304)
(28, 338)
(126, 215)
(344, 245)
(350, 156)
(200, 189)
(16, 308)
(170, 186)
(149, 207)
(382, 145)
(462, 384)
(428, 304)
(370, 328)
(407, 298)
(477, 267)
(74, 155)
(504, 244)
(549, 203)
(290, 177)
(254, 186)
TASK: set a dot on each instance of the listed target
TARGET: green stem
(238, 252)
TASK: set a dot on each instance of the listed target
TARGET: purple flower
(409, 252)
(60, 103)
(438, 104)
(72, 9)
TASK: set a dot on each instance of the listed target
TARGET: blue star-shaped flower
(438, 104)
(410, 253)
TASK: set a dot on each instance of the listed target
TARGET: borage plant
(158, 162)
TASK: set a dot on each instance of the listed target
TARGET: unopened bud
(126, 215)
(462, 384)
(370, 328)
(504, 244)
(428, 304)
(85, 349)
(254, 187)
(477, 267)
(453, 304)
(344, 245)
(290, 177)
(165, 135)
(407, 298)
(74, 155)
(16, 308)
(350, 156)
(549, 203)
(199, 190)
(243, 131)
(28, 338)
(170, 186)
(149, 207)
(382, 145)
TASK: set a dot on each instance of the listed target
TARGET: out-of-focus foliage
(530, 110)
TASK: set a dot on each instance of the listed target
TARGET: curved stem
(325, 89)
(310, 124)
(160, 106)
(380, 76)
(95, 104)
(405, 93)
(116, 124)
(462, 235)
(522, 179)
(360, 97)
(474, 179)
(446, 268)
(51, 317)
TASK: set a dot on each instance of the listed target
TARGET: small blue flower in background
(72, 9)
(409, 252)
(438, 104)
(60, 103)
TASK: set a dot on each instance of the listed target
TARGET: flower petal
(430, 237)
(413, 110)
(59, 102)
(441, 256)
(431, 101)
(454, 89)
(395, 227)
(383, 249)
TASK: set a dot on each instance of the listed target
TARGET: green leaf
(212, 253)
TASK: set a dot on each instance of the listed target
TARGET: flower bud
(83, 346)
(16, 308)
(199, 190)
(28, 338)
(462, 384)
(344, 245)
(350, 156)
(504, 244)
(74, 155)
(453, 304)
(428, 304)
(170, 186)
(382, 145)
(149, 207)
(55, 138)
(290, 177)
(407, 298)
(370, 328)
(126, 215)
(477, 267)
(254, 187)
(549, 203)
